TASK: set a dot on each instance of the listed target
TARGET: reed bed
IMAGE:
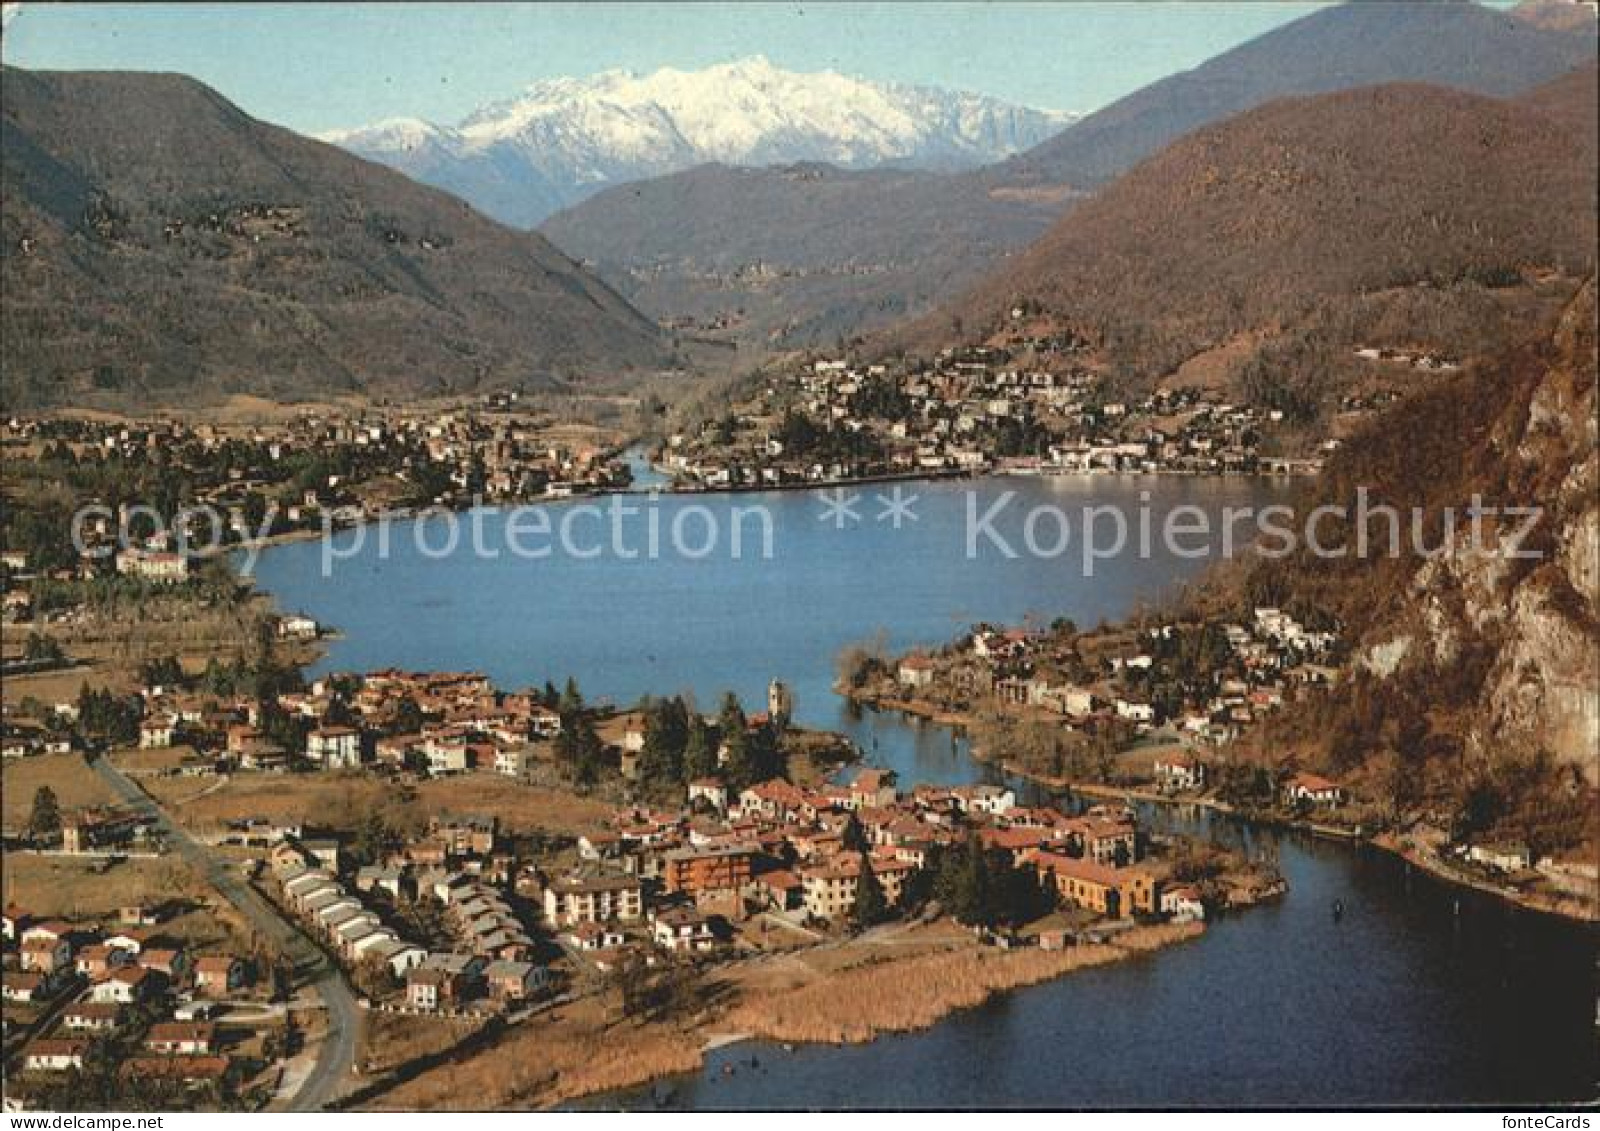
(582, 1054)
(900, 995)
(537, 1066)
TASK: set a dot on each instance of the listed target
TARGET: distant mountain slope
(1251, 223)
(1558, 15)
(797, 254)
(563, 140)
(1574, 100)
(159, 244)
(1447, 42)
(697, 249)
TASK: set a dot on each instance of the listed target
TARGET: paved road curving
(338, 1050)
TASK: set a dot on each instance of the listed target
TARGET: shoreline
(852, 1006)
(413, 513)
(726, 1031)
(1569, 910)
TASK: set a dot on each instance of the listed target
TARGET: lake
(626, 627)
(1420, 994)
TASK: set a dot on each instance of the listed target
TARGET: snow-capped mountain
(564, 139)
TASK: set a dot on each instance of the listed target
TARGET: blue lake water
(1418, 995)
(630, 626)
(1421, 994)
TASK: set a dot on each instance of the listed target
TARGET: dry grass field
(75, 888)
(338, 800)
(572, 1052)
(518, 806)
(391, 1039)
(891, 980)
(891, 993)
(74, 783)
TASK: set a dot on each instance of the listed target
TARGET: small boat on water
(1338, 910)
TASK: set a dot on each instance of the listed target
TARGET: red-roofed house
(1115, 892)
(181, 1038)
(219, 972)
(1314, 790)
(56, 1054)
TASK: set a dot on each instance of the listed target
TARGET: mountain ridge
(1304, 226)
(161, 243)
(1451, 43)
(561, 140)
(759, 279)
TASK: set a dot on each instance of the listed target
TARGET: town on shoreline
(690, 846)
(1174, 711)
(206, 852)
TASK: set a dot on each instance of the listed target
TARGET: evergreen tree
(699, 750)
(407, 716)
(963, 884)
(739, 768)
(731, 717)
(571, 702)
(871, 906)
(216, 679)
(853, 837)
(765, 755)
(45, 819)
(579, 747)
(666, 732)
(164, 672)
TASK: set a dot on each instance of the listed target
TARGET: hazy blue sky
(316, 66)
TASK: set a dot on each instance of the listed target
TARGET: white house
(916, 672)
(1135, 712)
(55, 1055)
(1502, 857)
(711, 791)
(157, 732)
(1179, 772)
(1183, 903)
(335, 747)
(683, 930)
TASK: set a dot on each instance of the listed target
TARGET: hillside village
(1031, 405)
(1179, 710)
(1207, 680)
(301, 473)
(124, 1008)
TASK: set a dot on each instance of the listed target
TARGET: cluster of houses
(462, 867)
(434, 724)
(1028, 670)
(1423, 360)
(491, 450)
(106, 830)
(1126, 685)
(776, 848)
(85, 980)
(485, 956)
(942, 416)
(419, 724)
(461, 724)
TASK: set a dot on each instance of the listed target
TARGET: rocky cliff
(1473, 695)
